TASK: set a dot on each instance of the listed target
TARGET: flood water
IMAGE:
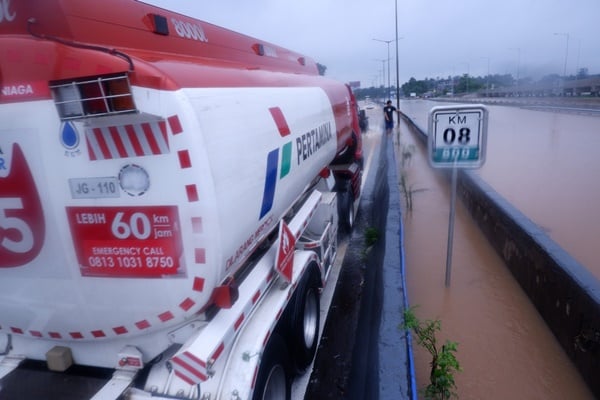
(505, 349)
(545, 164)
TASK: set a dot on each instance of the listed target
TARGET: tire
(346, 210)
(274, 379)
(303, 332)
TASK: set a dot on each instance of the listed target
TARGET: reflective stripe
(134, 140)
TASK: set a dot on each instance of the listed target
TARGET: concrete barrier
(364, 353)
(564, 292)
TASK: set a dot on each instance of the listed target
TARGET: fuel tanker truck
(171, 194)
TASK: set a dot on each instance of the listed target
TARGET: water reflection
(505, 348)
(544, 163)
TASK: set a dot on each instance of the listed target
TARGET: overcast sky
(439, 37)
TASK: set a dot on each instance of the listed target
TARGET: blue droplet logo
(69, 136)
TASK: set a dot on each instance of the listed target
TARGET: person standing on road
(388, 113)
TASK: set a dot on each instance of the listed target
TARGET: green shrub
(443, 364)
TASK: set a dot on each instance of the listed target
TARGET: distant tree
(550, 78)
(500, 81)
(582, 73)
(373, 92)
(526, 81)
(419, 87)
(460, 84)
(321, 68)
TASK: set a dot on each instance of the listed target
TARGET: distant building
(354, 84)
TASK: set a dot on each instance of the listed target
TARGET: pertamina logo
(5, 13)
(273, 162)
(307, 145)
(22, 226)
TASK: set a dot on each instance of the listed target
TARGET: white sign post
(457, 139)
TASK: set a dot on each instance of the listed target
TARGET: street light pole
(518, 49)
(388, 61)
(453, 82)
(566, 52)
(382, 69)
(397, 63)
(487, 84)
(564, 75)
(578, 54)
(467, 80)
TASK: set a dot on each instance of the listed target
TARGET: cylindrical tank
(119, 222)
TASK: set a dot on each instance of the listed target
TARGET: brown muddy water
(505, 349)
(546, 165)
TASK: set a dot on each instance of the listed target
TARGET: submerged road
(505, 349)
(545, 164)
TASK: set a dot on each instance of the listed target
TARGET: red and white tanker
(170, 194)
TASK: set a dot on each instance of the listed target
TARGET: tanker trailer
(171, 194)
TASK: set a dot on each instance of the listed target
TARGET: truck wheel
(273, 381)
(304, 327)
(346, 210)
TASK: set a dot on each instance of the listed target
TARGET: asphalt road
(371, 147)
(362, 352)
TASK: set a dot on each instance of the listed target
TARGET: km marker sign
(457, 138)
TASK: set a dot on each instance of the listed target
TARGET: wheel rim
(310, 319)
(275, 387)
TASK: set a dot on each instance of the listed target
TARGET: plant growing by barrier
(371, 236)
(407, 154)
(408, 191)
(443, 363)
